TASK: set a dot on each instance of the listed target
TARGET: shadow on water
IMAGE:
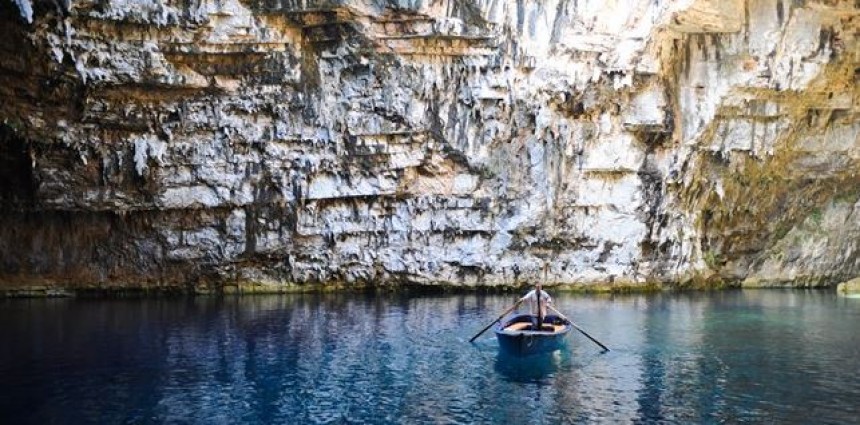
(536, 368)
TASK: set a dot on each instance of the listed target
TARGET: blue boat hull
(526, 341)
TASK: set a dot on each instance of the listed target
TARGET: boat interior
(523, 323)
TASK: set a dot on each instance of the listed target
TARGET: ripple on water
(727, 357)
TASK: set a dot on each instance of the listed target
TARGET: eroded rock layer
(210, 144)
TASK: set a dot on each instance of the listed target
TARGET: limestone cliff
(210, 144)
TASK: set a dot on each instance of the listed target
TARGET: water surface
(763, 356)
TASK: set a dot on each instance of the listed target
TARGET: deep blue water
(752, 356)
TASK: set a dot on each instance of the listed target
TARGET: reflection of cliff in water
(668, 363)
(740, 356)
(754, 338)
(352, 350)
(717, 356)
(202, 355)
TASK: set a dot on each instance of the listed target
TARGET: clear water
(760, 356)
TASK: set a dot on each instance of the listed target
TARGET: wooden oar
(578, 328)
(497, 319)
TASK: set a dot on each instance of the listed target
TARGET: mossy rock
(849, 287)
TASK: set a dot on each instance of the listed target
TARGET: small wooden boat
(517, 334)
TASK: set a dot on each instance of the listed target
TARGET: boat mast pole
(539, 311)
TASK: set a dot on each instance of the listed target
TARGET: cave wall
(283, 143)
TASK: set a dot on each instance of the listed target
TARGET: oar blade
(605, 349)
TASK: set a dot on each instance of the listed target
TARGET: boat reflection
(533, 368)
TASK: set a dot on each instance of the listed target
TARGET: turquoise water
(760, 356)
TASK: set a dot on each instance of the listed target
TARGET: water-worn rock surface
(279, 142)
(850, 287)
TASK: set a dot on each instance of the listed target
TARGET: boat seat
(519, 326)
(552, 328)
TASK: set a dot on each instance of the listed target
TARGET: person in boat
(537, 304)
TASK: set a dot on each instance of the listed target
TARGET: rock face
(201, 143)
(850, 287)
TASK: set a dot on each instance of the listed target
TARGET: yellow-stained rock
(849, 287)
